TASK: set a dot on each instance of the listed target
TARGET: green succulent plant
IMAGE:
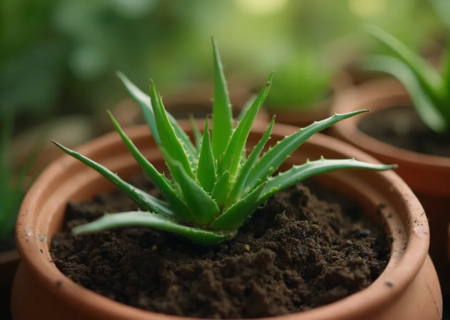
(214, 187)
(429, 91)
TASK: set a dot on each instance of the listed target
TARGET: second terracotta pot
(427, 175)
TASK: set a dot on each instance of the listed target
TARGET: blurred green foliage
(60, 56)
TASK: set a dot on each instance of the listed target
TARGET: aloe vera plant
(214, 187)
(429, 91)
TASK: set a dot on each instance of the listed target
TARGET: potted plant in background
(202, 212)
(410, 126)
(305, 91)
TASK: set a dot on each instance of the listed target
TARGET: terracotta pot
(195, 99)
(428, 176)
(407, 289)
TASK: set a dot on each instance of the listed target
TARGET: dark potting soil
(296, 253)
(401, 127)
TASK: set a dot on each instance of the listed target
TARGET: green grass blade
(427, 109)
(202, 207)
(222, 189)
(145, 201)
(425, 73)
(206, 171)
(150, 220)
(158, 179)
(311, 168)
(222, 116)
(239, 213)
(145, 104)
(273, 158)
(247, 106)
(238, 187)
(233, 152)
(197, 135)
(169, 140)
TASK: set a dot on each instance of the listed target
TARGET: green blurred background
(60, 56)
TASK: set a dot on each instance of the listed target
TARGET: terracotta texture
(407, 289)
(428, 176)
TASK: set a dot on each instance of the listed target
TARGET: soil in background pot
(296, 253)
(401, 126)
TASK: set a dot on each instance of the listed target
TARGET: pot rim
(380, 93)
(402, 268)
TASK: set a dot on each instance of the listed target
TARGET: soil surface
(296, 253)
(401, 126)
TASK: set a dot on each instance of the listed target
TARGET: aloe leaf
(425, 107)
(202, 207)
(145, 219)
(206, 171)
(158, 179)
(222, 189)
(427, 76)
(238, 187)
(247, 106)
(222, 117)
(311, 168)
(197, 135)
(169, 140)
(191, 151)
(273, 158)
(145, 104)
(144, 201)
(240, 212)
(233, 152)
(243, 157)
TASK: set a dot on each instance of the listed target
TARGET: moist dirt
(296, 253)
(401, 127)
